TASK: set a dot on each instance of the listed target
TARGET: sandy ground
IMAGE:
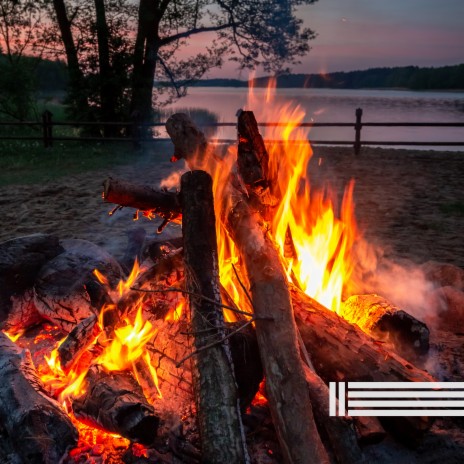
(411, 203)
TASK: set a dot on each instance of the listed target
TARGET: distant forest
(51, 76)
(407, 77)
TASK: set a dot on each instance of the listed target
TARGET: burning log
(20, 262)
(32, 425)
(253, 158)
(383, 321)
(216, 392)
(77, 342)
(66, 289)
(144, 198)
(114, 401)
(286, 385)
(342, 352)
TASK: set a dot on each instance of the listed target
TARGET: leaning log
(218, 416)
(340, 351)
(384, 321)
(33, 425)
(286, 386)
(114, 401)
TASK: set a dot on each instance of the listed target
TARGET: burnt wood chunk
(286, 385)
(115, 402)
(77, 342)
(135, 244)
(218, 414)
(189, 142)
(340, 351)
(253, 159)
(383, 321)
(141, 197)
(20, 262)
(66, 289)
(32, 425)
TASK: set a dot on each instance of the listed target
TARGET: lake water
(335, 105)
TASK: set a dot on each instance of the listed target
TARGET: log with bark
(383, 321)
(32, 425)
(340, 351)
(286, 386)
(218, 412)
(115, 402)
(144, 198)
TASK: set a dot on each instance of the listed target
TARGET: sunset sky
(358, 34)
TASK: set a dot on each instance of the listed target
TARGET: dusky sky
(359, 34)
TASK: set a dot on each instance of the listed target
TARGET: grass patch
(453, 209)
(28, 162)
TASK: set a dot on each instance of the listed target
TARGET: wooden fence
(47, 125)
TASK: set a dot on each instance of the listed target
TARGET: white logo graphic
(383, 399)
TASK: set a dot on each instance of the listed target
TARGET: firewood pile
(100, 363)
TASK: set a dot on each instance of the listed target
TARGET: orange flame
(321, 240)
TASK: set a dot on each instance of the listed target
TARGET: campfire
(215, 346)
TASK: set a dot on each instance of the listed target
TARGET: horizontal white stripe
(405, 394)
(406, 403)
(421, 385)
(405, 412)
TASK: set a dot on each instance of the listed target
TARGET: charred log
(66, 289)
(77, 342)
(115, 402)
(190, 142)
(216, 392)
(340, 351)
(20, 261)
(383, 321)
(33, 425)
(144, 198)
(253, 158)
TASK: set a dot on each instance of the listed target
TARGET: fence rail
(48, 137)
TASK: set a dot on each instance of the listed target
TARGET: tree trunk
(33, 426)
(221, 431)
(108, 92)
(145, 58)
(74, 70)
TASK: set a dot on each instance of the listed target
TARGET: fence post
(357, 128)
(47, 126)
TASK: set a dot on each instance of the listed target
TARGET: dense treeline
(408, 77)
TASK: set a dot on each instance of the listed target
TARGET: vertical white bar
(341, 398)
(332, 398)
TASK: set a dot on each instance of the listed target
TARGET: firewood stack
(288, 323)
(207, 368)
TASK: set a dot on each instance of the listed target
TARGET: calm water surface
(334, 105)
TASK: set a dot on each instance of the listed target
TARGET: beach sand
(408, 202)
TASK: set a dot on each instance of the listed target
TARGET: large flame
(305, 221)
